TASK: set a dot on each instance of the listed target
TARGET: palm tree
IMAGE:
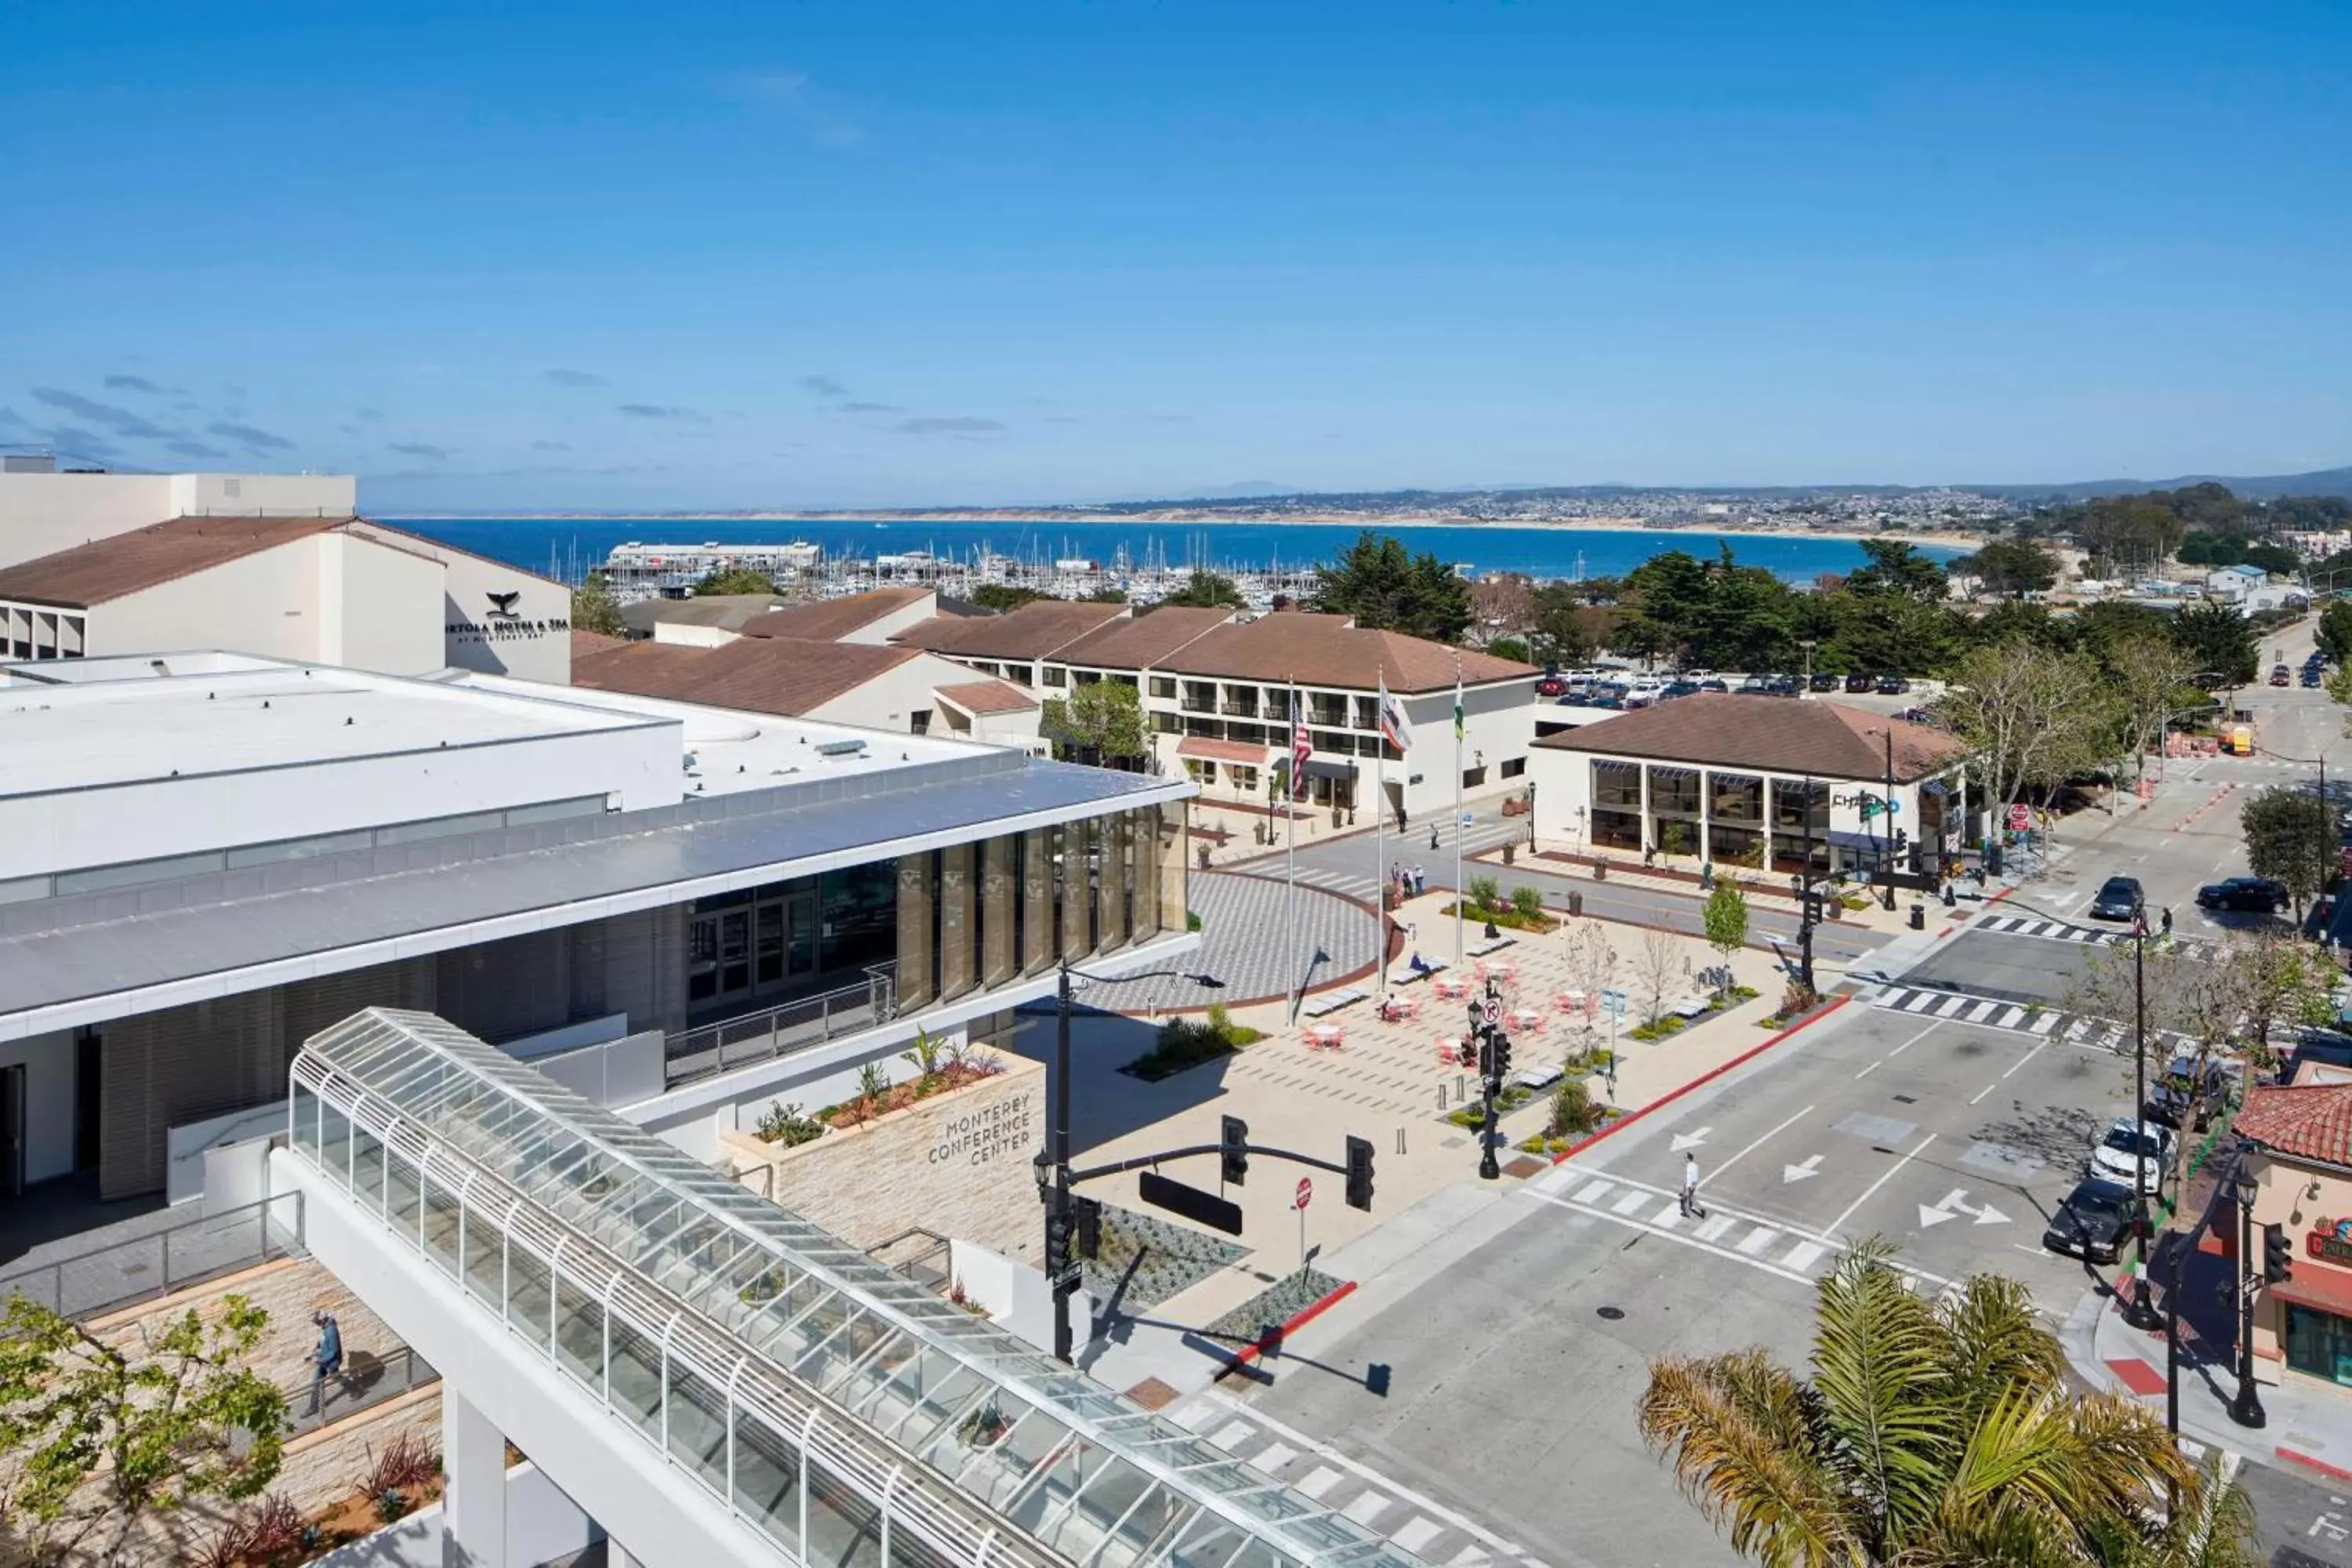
(1931, 1434)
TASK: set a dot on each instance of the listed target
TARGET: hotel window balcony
(1326, 713)
(1368, 713)
(1242, 707)
(1200, 698)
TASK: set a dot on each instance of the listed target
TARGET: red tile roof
(1141, 642)
(2314, 1120)
(1034, 630)
(758, 675)
(1222, 751)
(126, 564)
(987, 697)
(586, 643)
(1776, 735)
(829, 620)
(1325, 651)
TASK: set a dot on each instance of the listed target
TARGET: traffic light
(1087, 1211)
(1233, 1138)
(1360, 1173)
(1058, 1228)
(1902, 838)
(1869, 803)
(2278, 1254)
(1502, 1056)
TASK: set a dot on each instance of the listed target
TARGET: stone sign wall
(958, 1164)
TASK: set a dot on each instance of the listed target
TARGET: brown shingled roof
(1779, 734)
(586, 643)
(828, 620)
(1034, 630)
(1142, 642)
(987, 697)
(758, 675)
(127, 563)
(1324, 650)
(2314, 1120)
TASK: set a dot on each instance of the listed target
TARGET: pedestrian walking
(327, 1360)
(1433, 836)
(1692, 1207)
(2167, 920)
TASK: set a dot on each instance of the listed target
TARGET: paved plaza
(1260, 939)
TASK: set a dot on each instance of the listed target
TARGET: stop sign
(1306, 1192)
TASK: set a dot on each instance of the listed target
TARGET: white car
(2111, 1156)
(1698, 675)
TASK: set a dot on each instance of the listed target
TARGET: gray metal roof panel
(135, 937)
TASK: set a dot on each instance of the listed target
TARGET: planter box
(957, 1164)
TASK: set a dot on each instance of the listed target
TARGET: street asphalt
(1490, 1372)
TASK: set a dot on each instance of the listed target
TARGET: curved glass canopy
(840, 1409)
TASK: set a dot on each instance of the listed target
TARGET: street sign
(2021, 818)
(1305, 1192)
(1614, 1001)
(1492, 1009)
(1192, 1203)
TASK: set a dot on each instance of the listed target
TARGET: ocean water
(578, 543)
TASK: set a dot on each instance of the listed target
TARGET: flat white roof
(119, 720)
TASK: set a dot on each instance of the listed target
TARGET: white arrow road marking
(1929, 1217)
(1800, 1172)
(1690, 1140)
(1838, 1225)
(1988, 1215)
(1955, 1204)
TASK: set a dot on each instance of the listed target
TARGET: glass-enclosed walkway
(846, 1414)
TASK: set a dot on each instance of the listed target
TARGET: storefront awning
(1209, 751)
(1935, 786)
(1843, 839)
(2317, 1286)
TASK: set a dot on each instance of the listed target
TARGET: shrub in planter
(786, 1124)
(1528, 902)
(1486, 893)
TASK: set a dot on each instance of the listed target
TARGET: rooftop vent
(839, 748)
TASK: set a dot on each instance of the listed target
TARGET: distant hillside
(2259, 486)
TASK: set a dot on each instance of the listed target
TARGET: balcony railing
(1238, 710)
(1200, 702)
(789, 1028)
(140, 1268)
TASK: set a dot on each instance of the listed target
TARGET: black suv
(2119, 899)
(1893, 685)
(1825, 682)
(2092, 1222)
(1861, 683)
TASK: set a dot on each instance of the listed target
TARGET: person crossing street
(1692, 1208)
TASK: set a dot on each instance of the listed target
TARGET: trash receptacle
(1951, 896)
(1575, 902)
(1918, 915)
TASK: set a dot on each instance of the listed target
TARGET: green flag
(1457, 706)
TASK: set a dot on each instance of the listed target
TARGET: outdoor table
(1325, 1036)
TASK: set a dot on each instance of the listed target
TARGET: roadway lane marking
(1321, 1479)
(1743, 1153)
(1716, 1226)
(1493, 1542)
(1417, 1533)
(1804, 1255)
(1273, 1457)
(1757, 1240)
(1871, 1191)
(1592, 1191)
(1701, 1241)
(2028, 1055)
(1987, 1090)
(1232, 1436)
(1893, 1054)
(1368, 1507)
(1629, 1202)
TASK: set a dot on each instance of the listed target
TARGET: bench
(1331, 1002)
(1434, 967)
(1690, 1007)
(1492, 944)
(1536, 1077)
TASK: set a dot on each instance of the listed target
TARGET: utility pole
(2140, 1312)
(1889, 815)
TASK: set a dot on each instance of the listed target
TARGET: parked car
(1551, 685)
(1784, 686)
(2280, 675)
(2119, 899)
(2185, 1095)
(1861, 683)
(2311, 678)
(1825, 681)
(1701, 674)
(2094, 1222)
(2132, 1144)
(1678, 689)
(1715, 683)
(1893, 685)
(1756, 686)
(2259, 894)
(1917, 716)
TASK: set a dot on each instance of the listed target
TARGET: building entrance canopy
(840, 1409)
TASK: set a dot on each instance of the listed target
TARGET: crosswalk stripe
(1670, 1213)
(1416, 1533)
(1757, 1240)
(2044, 1024)
(1716, 1226)
(2008, 1020)
(1368, 1507)
(1629, 1203)
(1232, 1436)
(1592, 1191)
(1804, 1255)
(1317, 1482)
(1913, 1002)
(1274, 1457)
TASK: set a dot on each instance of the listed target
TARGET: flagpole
(1459, 890)
(1290, 815)
(1379, 837)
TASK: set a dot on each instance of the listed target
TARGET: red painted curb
(1997, 898)
(2333, 1472)
(1298, 1320)
(1709, 1076)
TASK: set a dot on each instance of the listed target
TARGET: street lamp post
(1059, 1221)
(2246, 1409)
(2140, 1312)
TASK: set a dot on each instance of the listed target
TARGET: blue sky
(830, 254)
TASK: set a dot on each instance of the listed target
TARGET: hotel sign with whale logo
(501, 622)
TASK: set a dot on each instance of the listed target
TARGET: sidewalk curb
(1706, 1078)
(1249, 1352)
(2332, 1472)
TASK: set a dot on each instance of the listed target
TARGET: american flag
(1301, 748)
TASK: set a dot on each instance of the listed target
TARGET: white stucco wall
(890, 700)
(48, 1063)
(41, 514)
(881, 631)
(267, 602)
(530, 639)
(1498, 720)
(380, 608)
(1564, 794)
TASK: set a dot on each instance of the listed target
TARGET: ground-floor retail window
(1622, 829)
(1514, 767)
(2319, 1343)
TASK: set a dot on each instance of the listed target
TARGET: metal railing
(367, 1379)
(141, 1268)
(799, 1024)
